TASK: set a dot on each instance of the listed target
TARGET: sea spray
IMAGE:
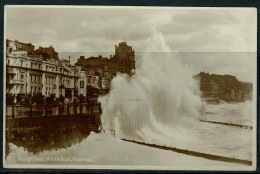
(157, 99)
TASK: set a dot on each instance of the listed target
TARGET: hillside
(226, 87)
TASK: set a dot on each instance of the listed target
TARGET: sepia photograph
(150, 88)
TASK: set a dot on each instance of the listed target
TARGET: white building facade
(31, 74)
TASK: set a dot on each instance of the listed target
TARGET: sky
(216, 40)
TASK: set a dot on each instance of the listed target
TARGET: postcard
(151, 88)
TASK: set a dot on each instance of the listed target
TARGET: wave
(160, 104)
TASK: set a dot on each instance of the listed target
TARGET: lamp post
(62, 85)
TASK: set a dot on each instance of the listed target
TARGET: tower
(125, 56)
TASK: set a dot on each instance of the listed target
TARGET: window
(21, 77)
(81, 84)
(8, 62)
(39, 66)
(31, 78)
(35, 79)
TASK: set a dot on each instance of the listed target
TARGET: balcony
(13, 82)
(10, 71)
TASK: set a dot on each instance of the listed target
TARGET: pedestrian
(66, 100)
(62, 102)
(15, 99)
(18, 99)
(81, 99)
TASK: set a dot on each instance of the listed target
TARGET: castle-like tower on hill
(122, 61)
(125, 56)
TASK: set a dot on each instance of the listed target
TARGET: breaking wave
(159, 98)
(161, 104)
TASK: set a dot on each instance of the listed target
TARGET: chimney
(69, 59)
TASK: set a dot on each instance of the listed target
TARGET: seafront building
(97, 72)
(32, 71)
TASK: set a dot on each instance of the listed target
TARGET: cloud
(182, 28)
(85, 30)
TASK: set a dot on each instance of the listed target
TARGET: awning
(10, 71)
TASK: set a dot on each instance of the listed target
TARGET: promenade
(47, 127)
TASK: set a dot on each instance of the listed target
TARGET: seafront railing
(17, 111)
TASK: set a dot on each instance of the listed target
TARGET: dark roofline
(21, 42)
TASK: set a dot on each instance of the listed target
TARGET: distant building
(125, 57)
(97, 72)
(210, 90)
(223, 87)
(69, 78)
(123, 61)
(94, 80)
(47, 52)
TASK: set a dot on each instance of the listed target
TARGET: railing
(16, 111)
(10, 82)
(14, 81)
